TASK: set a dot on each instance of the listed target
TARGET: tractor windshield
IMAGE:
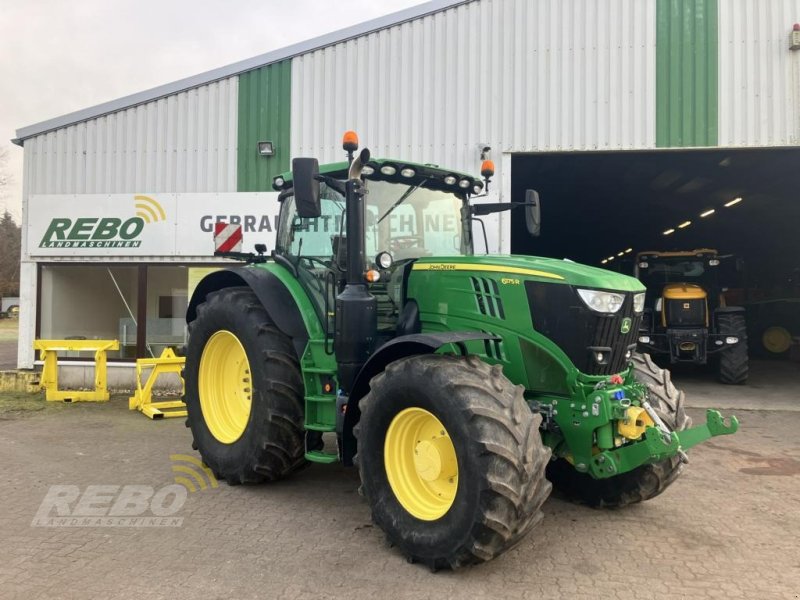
(411, 221)
(408, 221)
(675, 271)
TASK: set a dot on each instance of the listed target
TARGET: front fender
(399, 347)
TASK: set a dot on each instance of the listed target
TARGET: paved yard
(728, 529)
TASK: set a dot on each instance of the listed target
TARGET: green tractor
(463, 387)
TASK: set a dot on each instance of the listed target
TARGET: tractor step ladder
(320, 404)
(142, 400)
(48, 352)
(319, 456)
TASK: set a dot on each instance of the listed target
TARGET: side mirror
(306, 187)
(533, 213)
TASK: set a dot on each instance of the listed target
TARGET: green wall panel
(265, 97)
(686, 78)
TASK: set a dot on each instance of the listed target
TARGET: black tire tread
(513, 457)
(734, 363)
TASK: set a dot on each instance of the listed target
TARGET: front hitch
(714, 426)
(657, 445)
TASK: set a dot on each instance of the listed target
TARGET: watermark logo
(111, 506)
(193, 475)
(127, 505)
(105, 232)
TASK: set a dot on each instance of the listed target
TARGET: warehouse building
(631, 117)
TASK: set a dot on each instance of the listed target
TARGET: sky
(57, 57)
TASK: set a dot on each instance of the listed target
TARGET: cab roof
(677, 253)
(433, 175)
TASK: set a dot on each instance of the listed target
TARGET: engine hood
(544, 269)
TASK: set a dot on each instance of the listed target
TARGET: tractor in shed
(687, 316)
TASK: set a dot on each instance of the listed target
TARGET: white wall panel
(181, 143)
(522, 75)
(759, 77)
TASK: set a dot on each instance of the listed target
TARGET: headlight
(638, 303)
(602, 302)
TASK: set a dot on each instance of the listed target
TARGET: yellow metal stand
(49, 382)
(142, 400)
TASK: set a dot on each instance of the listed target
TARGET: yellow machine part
(682, 291)
(225, 387)
(49, 381)
(142, 399)
(421, 464)
(635, 423)
(777, 339)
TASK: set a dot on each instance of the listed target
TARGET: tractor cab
(675, 279)
(411, 211)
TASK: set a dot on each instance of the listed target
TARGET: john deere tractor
(461, 386)
(686, 315)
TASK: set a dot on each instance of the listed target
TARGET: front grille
(559, 314)
(685, 313)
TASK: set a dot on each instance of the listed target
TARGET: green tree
(10, 244)
(10, 238)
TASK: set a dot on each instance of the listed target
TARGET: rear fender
(399, 347)
(281, 306)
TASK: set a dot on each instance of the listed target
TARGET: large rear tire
(642, 483)
(244, 392)
(734, 362)
(451, 460)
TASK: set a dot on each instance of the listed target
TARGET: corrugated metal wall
(522, 75)
(265, 98)
(759, 77)
(181, 143)
(686, 83)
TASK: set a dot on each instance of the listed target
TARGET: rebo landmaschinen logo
(105, 232)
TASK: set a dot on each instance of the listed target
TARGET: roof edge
(305, 47)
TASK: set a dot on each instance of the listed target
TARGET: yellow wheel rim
(421, 464)
(777, 340)
(224, 386)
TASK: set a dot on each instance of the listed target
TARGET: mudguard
(399, 347)
(270, 291)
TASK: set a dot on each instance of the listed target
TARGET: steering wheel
(405, 242)
(313, 259)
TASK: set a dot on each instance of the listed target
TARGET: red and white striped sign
(227, 238)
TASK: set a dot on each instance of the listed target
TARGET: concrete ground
(728, 528)
(772, 385)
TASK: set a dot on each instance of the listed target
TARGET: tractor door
(310, 245)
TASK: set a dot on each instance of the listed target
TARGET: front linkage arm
(657, 446)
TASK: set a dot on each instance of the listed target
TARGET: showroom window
(89, 302)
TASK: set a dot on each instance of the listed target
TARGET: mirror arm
(485, 239)
(487, 209)
(336, 184)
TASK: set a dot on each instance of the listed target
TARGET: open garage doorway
(603, 208)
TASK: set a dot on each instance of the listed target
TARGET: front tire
(244, 392)
(451, 460)
(734, 362)
(642, 483)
